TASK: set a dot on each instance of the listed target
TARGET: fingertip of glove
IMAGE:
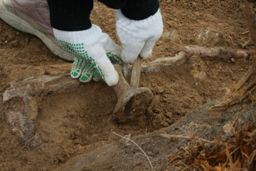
(74, 75)
(128, 58)
(112, 80)
(146, 54)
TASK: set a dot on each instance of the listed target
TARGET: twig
(145, 154)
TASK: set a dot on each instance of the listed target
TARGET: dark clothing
(74, 15)
(115, 4)
(134, 9)
(70, 15)
(140, 9)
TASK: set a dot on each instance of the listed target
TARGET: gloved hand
(138, 37)
(91, 49)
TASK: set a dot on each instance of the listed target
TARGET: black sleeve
(70, 15)
(134, 9)
(115, 4)
(140, 9)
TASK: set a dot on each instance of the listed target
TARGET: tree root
(20, 100)
(188, 51)
(219, 52)
(24, 129)
(241, 91)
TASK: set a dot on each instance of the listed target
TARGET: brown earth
(80, 120)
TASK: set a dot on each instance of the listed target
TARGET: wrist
(140, 9)
(138, 29)
(88, 36)
(114, 4)
(70, 15)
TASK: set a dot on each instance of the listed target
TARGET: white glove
(138, 37)
(90, 48)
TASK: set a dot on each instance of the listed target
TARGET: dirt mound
(80, 120)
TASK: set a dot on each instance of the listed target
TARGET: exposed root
(24, 129)
(164, 62)
(35, 86)
(241, 91)
(219, 52)
(188, 51)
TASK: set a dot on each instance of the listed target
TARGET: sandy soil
(79, 120)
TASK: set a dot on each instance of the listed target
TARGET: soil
(78, 121)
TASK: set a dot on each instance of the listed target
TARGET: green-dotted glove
(84, 70)
(93, 51)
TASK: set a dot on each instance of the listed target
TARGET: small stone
(156, 110)
(164, 124)
(160, 90)
(200, 75)
(166, 35)
(168, 114)
(175, 37)
(229, 129)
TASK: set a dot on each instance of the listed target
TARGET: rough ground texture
(76, 126)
